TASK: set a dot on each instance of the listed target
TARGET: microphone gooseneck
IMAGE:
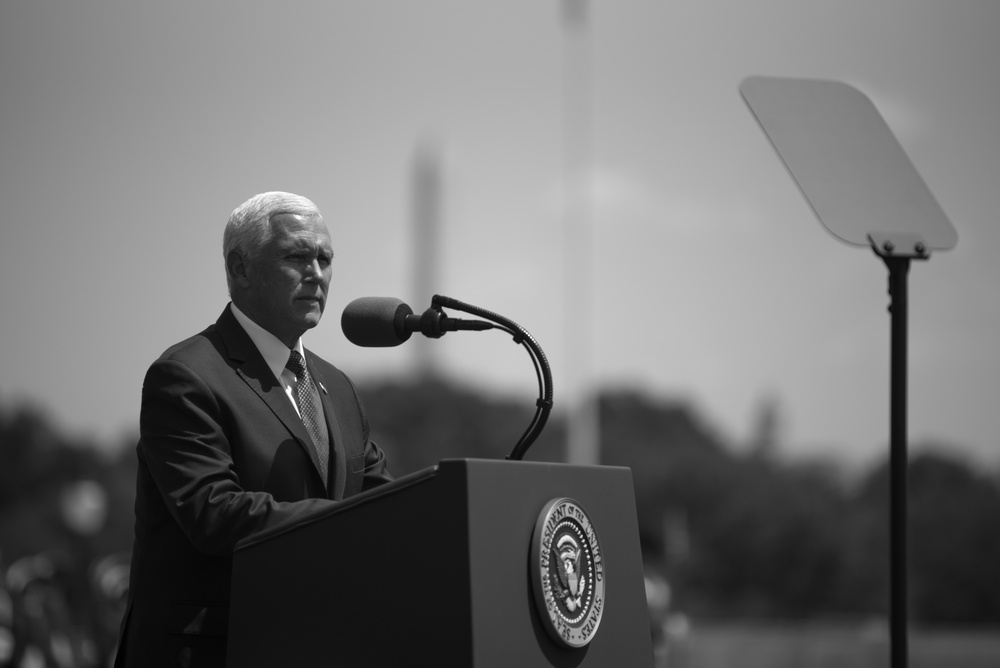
(543, 406)
(386, 321)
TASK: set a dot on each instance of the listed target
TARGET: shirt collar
(274, 352)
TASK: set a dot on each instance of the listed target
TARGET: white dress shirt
(274, 352)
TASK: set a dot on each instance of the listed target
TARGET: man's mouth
(310, 300)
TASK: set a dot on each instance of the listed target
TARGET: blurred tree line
(741, 532)
(736, 532)
(65, 536)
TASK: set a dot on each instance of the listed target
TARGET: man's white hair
(249, 226)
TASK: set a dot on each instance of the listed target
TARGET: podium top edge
(392, 487)
(446, 467)
(467, 462)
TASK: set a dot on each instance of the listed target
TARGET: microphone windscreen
(376, 322)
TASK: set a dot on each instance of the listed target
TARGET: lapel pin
(323, 387)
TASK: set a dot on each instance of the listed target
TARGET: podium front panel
(434, 569)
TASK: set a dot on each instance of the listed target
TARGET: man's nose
(313, 270)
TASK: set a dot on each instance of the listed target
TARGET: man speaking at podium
(241, 430)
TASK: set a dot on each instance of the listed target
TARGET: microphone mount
(434, 323)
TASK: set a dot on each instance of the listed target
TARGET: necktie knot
(296, 364)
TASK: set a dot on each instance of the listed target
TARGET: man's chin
(311, 317)
(310, 313)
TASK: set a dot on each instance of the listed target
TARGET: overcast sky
(129, 132)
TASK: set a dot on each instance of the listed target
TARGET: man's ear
(236, 266)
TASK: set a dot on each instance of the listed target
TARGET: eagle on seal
(572, 583)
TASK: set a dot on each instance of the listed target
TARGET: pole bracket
(899, 245)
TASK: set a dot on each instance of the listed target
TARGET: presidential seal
(567, 571)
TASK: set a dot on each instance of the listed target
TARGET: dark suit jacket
(223, 455)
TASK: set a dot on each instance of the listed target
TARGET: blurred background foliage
(729, 531)
(738, 531)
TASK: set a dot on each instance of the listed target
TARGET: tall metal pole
(583, 422)
(899, 268)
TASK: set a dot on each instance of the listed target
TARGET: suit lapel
(252, 368)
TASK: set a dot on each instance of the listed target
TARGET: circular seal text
(567, 572)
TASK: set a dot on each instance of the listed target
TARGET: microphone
(383, 322)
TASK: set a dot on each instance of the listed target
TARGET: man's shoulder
(204, 343)
(325, 370)
(220, 342)
(315, 360)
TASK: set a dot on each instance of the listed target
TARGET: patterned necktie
(310, 409)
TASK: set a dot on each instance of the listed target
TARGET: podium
(441, 568)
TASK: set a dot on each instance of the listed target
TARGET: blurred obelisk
(583, 421)
(427, 194)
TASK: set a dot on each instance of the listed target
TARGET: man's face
(289, 279)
